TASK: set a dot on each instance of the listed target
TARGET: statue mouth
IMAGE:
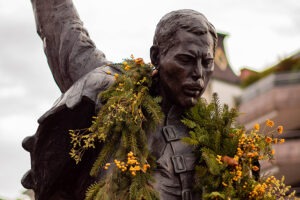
(193, 90)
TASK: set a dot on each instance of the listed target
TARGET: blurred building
(275, 94)
(224, 81)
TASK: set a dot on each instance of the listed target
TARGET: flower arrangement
(120, 128)
(228, 166)
(228, 156)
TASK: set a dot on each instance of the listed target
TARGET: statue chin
(188, 102)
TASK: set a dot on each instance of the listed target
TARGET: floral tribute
(228, 165)
(121, 127)
(228, 156)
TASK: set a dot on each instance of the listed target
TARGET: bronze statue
(182, 53)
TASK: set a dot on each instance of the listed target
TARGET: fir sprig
(228, 156)
(128, 114)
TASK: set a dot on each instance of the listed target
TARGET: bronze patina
(182, 53)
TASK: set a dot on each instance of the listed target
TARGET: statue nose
(198, 71)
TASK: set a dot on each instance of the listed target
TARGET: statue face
(186, 68)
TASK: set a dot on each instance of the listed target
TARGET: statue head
(183, 51)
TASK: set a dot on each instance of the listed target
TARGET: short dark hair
(185, 19)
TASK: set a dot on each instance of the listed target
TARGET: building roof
(223, 70)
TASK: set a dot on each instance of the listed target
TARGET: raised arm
(70, 51)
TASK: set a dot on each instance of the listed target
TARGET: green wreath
(227, 166)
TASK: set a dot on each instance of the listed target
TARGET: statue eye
(185, 59)
(207, 63)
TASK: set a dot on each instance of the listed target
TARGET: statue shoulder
(89, 86)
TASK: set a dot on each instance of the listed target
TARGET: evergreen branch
(106, 152)
(92, 191)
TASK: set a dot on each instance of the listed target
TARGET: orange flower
(251, 155)
(145, 167)
(256, 127)
(280, 129)
(269, 123)
(273, 151)
(139, 61)
(268, 139)
(230, 161)
(255, 168)
(281, 141)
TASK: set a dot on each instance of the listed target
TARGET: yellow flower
(239, 151)
(236, 158)
(137, 168)
(127, 67)
(281, 141)
(256, 127)
(224, 184)
(116, 76)
(130, 154)
(131, 169)
(255, 168)
(108, 72)
(219, 159)
(269, 123)
(268, 139)
(280, 129)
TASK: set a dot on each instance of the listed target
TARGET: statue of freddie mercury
(182, 53)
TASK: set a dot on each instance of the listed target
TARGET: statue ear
(154, 55)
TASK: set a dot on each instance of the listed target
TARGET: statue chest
(174, 159)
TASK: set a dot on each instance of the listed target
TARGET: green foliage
(208, 124)
(212, 134)
(226, 154)
(228, 157)
(128, 114)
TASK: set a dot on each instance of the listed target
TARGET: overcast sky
(259, 33)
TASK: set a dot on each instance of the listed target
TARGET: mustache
(195, 85)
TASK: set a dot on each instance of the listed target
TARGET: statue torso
(175, 160)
